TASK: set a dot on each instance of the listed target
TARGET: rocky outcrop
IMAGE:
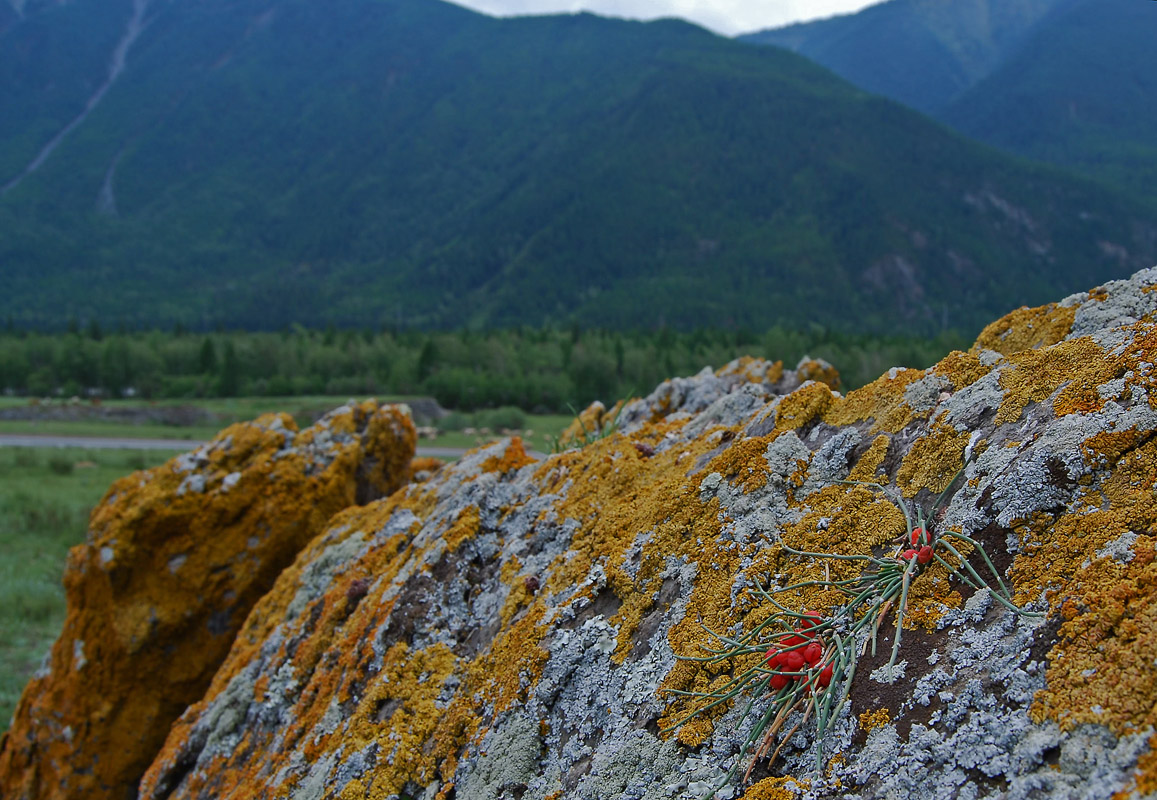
(174, 560)
(513, 628)
(519, 629)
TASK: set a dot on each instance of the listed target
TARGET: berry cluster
(798, 655)
(924, 554)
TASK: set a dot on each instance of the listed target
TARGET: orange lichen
(1026, 329)
(1105, 449)
(424, 467)
(933, 461)
(399, 712)
(695, 732)
(336, 627)
(631, 514)
(512, 458)
(385, 465)
(1144, 783)
(819, 371)
(513, 665)
(846, 520)
(930, 596)
(1102, 670)
(753, 370)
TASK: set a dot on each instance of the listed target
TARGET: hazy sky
(722, 16)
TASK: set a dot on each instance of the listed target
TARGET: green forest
(542, 370)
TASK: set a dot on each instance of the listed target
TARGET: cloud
(727, 17)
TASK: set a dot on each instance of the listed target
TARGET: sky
(727, 17)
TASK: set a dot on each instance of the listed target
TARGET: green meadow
(45, 498)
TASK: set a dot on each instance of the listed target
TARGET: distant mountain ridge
(1072, 82)
(368, 162)
(922, 53)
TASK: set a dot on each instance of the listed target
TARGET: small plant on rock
(806, 661)
(578, 435)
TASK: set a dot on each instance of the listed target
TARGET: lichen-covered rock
(174, 560)
(511, 629)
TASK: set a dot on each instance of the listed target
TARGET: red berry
(916, 534)
(777, 681)
(795, 640)
(908, 555)
(925, 555)
(825, 678)
(810, 620)
(813, 653)
(773, 657)
(794, 661)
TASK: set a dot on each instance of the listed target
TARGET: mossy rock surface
(513, 628)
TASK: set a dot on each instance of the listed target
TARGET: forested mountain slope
(363, 162)
(1072, 82)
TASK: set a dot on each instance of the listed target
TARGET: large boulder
(521, 629)
(174, 560)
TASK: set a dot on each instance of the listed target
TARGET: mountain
(1081, 91)
(1071, 82)
(357, 162)
(922, 53)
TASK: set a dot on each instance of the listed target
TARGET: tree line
(544, 370)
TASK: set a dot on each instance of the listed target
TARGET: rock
(519, 629)
(526, 630)
(174, 560)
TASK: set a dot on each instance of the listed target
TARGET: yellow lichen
(175, 560)
(513, 664)
(961, 368)
(871, 460)
(777, 788)
(424, 467)
(1079, 365)
(933, 461)
(695, 732)
(930, 596)
(743, 462)
(518, 595)
(1027, 328)
(595, 421)
(803, 406)
(465, 527)
(881, 400)
(399, 712)
(870, 720)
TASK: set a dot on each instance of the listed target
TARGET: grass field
(472, 429)
(45, 498)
